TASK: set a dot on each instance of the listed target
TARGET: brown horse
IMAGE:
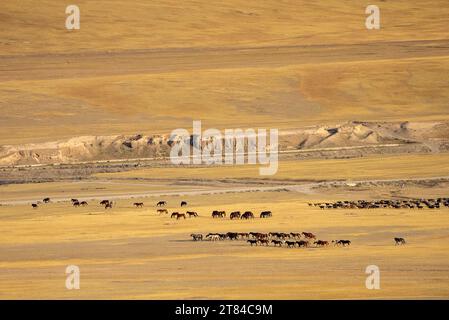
(161, 203)
(192, 214)
(138, 204)
(302, 243)
(266, 214)
(180, 215)
(174, 215)
(253, 242)
(46, 200)
(162, 211)
(183, 203)
(235, 215)
(399, 241)
(309, 235)
(83, 203)
(34, 205)
(108, 205)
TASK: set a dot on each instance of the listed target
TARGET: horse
(102, 203)
(46, 200)
(218, 214)
(34, 206)
(108, 205)
(234, 215)
(161, 203)
(290, 244)
(180, 215)
(266, 214)
(197, 237)
(277, 242)
(162, 211)
(309, 235)
(192, 214)
(302, 243)
(247, 215)
(174, 215)
(321, 243)
(76, 204)
(183, 203)
(232, 235)
(253, 242)
(213, 237)
(83, 203)
(138, 204)
(295, 235)
(264, 241)
(399, 241)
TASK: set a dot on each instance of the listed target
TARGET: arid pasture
(136, 253)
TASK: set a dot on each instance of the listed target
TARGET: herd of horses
(392, 204)
(277, 239)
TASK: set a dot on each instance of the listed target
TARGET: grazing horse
(302, 243)
(277, 242)
(253, 242)
(266, 214)
(162, 211)
(197, 237)
(46, 200)
(192, 214)
(83, 203)
(76, 204)
(247, 215)
(309, 235)
(180, 215)
(234, 215)
(34, 206)
(161, 203)
(138, 204)
(218, 214)
(399, 241)
(174, 215)
(183, 203)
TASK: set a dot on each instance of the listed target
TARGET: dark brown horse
(235, 215)
(399, 241)
(183, 203)
(266, 214)
(138, 204)
(161, 203)
(34, 205)
(46, 200)
(192, 214)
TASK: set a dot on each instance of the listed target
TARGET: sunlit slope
(287, 97)
(28, 27)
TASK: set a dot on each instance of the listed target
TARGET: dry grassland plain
(152, 66)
